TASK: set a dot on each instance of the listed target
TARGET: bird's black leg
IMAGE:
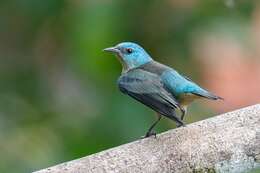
(177, 120)
(183, 112)
(150, 132)
(180, 124)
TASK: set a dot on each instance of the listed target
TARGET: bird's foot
(181, 125)
(148, 134)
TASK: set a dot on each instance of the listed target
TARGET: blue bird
(155, 85)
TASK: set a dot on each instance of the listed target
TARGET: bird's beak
(111, 49)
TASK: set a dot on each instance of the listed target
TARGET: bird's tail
(208, 95)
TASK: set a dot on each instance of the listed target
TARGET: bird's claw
(148, 134)
(181, 125)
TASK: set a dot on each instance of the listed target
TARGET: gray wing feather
(148, 89)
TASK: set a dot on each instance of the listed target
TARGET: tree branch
(225, 143)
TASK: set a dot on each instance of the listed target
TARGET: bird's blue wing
(147, 88)
(179, 84)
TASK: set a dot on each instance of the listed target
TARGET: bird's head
(131, 55)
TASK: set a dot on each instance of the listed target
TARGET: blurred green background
(58, 95)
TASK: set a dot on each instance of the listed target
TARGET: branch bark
(225, 143)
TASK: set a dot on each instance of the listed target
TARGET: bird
(156, 85)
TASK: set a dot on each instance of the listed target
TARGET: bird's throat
(125, 67)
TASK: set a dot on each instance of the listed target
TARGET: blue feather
(155, 85)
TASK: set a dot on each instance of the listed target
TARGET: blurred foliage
(58, 94)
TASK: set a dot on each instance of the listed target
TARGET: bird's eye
(129, 50)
